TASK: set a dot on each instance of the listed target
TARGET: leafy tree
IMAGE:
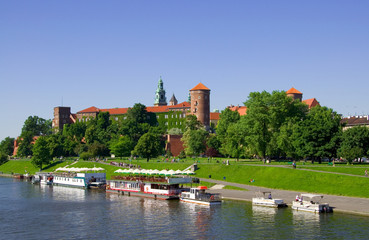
(98, 149)
(138, 113)
(91, 134)
(227, 117)
(175, 131)
(318, 135)
(75, 131)
(194, 141)
(36, 126)
(192, 123)
(3, 158)
(41, 153)
(355, 143)
(148, 146)
(266, 114)
(25, 145)
(55, 145)
(7, 146)
(122, 147)
(235, 143)
(213, 145)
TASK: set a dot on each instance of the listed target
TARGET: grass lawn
(271, 177)
(355, 170)
(288, 179)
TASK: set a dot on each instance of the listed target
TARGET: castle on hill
(170, 115)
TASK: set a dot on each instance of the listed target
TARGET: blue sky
(111, 53)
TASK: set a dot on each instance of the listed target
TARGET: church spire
(160, 99)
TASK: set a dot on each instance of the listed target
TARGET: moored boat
(310, 203)
(266, 199)
(199, 196)
(80, 180)
(147, 186)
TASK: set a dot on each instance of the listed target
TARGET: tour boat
(80, 180)
(305, 202)
(265, 199)
(147, 186)
(46, 178)
(199, 196)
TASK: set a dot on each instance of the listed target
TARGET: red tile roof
(312, 102)
(214, 116)
(200, 86)
(90, 110)
(153, 109)
(355, 121)
(293, 91)
(241, 110)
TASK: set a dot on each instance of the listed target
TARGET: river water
(52, 212)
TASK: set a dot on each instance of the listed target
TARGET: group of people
(298, 198)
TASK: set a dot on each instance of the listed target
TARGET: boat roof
(309, 195)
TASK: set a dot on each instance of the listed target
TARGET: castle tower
(295, 94)
(61, 117)
(200, 103)
(173, 101)
(160, 99)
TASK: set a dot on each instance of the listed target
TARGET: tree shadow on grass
(52, 164)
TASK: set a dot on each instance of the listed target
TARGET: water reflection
(61, 193)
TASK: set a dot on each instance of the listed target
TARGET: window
(166, 123)
(166, 116)
(116, 118)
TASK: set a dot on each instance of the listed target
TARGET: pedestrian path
(340, 203)
(217, 186)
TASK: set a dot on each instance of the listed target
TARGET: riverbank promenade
(339, 203)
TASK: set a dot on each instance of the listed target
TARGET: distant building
(293, 93)
(167, 116)
(353, 121)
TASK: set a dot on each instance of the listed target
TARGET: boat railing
(210, 197)
(140, 178)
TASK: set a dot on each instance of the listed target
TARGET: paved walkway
(340, 203)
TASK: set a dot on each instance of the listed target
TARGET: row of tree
(275, 126)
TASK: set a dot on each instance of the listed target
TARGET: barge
(80, 180)
(165, 188)
(199, 196)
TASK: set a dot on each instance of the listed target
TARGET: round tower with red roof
(295, 94)
(200, 103)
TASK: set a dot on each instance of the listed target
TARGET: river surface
(52, 212)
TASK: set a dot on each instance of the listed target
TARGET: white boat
(310, 203)
(265, 199)
(42, 178)
(147, 186)
(80, 180)
(199, 196)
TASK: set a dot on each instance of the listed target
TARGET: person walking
(366, 172)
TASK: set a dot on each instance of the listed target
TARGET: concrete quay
(351, 205)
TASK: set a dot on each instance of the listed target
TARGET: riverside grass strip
(264, 176)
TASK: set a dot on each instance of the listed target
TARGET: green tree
(7, 146)
(235, 142)
(75, 131)
(3, 158)
(25, 145)
(98, 149)
(122, 147)
(192, 123)
(266, 114)
(318, 135)
(355, 143)
(148, 146)
(36, 126)
(138, 113)
(227, 117)
(41, 153)
(194, 141)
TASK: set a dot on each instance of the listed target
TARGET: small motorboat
(266, 199)
(199, 196)
(310, 203)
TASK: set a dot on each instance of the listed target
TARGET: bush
(85, 155)
(182, 155)
(3, 158)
